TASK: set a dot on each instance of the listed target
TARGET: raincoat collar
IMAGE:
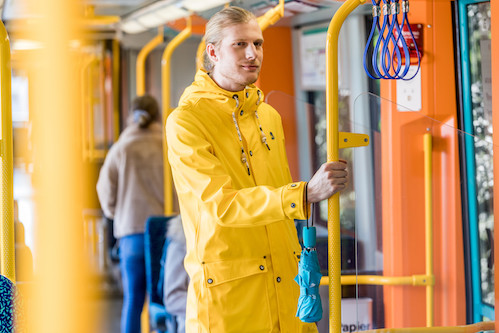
(204, 87)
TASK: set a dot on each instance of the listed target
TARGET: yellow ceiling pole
(141, 61)
(91, 19)
(334, 238)
(165, 94)
(271, 16)
(7, 227)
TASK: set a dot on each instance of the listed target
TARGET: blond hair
(218, 22)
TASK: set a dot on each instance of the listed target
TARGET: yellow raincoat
(242, 246)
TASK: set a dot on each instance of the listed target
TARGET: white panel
(409, 92)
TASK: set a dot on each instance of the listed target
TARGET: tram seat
(155, 253)
(10, 304)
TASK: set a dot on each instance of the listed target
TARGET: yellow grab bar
(334, 240)
(165, 83)
(141, 61)
(379, 280)
(428, 226)
(473, 328)
(8, 268)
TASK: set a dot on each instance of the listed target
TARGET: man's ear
(211, 52)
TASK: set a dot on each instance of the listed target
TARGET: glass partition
(401, 220)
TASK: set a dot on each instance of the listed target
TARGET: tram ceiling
(109, 17)
(19, 9)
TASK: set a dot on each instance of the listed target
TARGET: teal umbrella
(309, 278)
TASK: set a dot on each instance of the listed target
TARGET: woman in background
(130, 189)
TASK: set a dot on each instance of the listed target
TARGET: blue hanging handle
(387, 60)
(390, 61)
(375, 26)
(381, 40)
(309, 237)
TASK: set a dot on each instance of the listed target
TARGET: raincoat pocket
(238, 296)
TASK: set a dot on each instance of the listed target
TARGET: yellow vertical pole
(428, 173)
(165, 84)
(141, 61)
(7, 224)
(59, 300)
(91, 103)
(116, 90)
(199, 54)
(334, 237)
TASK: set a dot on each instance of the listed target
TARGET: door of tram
(474, 67)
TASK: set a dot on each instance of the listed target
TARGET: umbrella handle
(309, 237)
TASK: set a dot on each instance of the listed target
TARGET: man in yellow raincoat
(237, 199)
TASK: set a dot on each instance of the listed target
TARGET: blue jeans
(133, 272)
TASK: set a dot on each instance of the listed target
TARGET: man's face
(238, 57)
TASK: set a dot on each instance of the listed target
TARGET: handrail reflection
(473, 328)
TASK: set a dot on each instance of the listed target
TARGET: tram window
(480, 43)
(475, 34)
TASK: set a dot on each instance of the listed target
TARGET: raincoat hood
(204, 87)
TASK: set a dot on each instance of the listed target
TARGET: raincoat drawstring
(263, 137)
(244, 159)
(262, 134)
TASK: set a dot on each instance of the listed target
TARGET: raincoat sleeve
(198, 171)
(107, 185)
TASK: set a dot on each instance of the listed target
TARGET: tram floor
(108, 313)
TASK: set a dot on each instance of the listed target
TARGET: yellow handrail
(7, 227)
(90, 19)
(379, 280)
(473, 328)
(271, 16)
(165, 83)
(428, 226)
(141, 61)
(334, 240)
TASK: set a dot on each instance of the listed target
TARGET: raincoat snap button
(251, 153)
(293, 185)
(278, 279)
(262, 268)
(247, 94)
(210, 281)
(293, 205)
(242, 112)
